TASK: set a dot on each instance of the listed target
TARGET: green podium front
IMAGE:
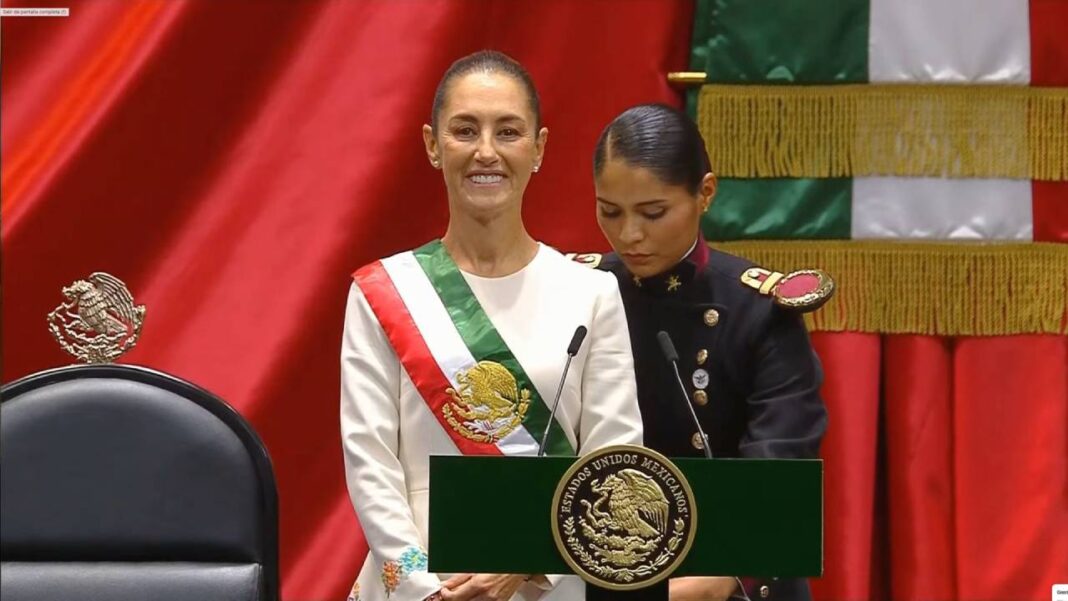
(755, 517)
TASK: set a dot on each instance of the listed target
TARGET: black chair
(121, 483)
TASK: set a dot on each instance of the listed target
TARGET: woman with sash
(748, 369)
(458, 346)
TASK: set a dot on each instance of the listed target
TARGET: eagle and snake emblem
(623, 517)
(487, 403)
(98, 322)
(635, 520)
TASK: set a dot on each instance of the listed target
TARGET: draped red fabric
(1010, 459)
(919, 443)
(961, 490)
(851, 363)
(234, 161)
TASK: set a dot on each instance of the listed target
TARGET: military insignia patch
(700, 379)
(98, 322)
(804, 291)
(624, 517)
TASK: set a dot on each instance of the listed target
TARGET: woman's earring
(536, 167)
(435, 163)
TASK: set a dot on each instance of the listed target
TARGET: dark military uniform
(746, 362)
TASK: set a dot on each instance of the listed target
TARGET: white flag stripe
(440, 334)
(935, 208)
(946, 41)
(924, 41)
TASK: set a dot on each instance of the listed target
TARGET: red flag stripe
(1049, 67)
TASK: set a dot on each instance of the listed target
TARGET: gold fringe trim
(988, 131)
(942, 289)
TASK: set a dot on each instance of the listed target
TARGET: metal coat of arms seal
(99, 321)
(624, 517)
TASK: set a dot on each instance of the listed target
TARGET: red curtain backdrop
(234, 161)
(946, 467)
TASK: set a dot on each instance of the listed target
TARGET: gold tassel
(941, 289)
(957, 131)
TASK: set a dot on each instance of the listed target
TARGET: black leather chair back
(121, 483)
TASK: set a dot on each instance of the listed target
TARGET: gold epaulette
(587, 259)
(803, 291)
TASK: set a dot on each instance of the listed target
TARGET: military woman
(749, 370)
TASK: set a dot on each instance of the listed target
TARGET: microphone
(668, 348)
(576, 342)
(572, 350)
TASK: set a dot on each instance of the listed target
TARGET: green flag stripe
(780, 42)
(482, 338)
(780, 209)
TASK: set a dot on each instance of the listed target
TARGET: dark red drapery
(946, 467)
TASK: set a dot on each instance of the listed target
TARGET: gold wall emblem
(624, 517)
(488, 405)
(98, 322)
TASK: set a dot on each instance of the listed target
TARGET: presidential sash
(455, 357)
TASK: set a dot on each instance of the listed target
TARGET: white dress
(389, 432)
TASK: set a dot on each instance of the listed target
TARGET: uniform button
(702, 356)
(765, 591)
(711, 318)
(700, 397)
(696, 441)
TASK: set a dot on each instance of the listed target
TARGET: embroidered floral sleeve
(412, 559)
(354, 594)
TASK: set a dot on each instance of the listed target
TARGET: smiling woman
(456, 346)
(486, 137)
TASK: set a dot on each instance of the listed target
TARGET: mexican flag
(917, 150)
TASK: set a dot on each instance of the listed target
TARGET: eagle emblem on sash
(487, 404)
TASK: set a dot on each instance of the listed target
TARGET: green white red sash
(444, 339)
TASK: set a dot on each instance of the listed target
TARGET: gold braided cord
(957, 131)
(941, 289)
